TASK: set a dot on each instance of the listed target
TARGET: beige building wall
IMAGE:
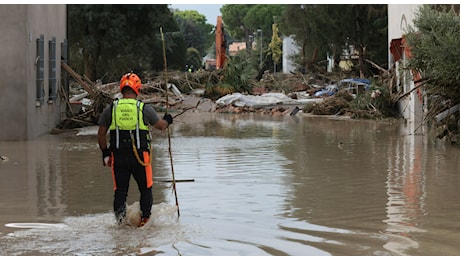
(235, 47)
(23, 117)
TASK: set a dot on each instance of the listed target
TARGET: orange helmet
(131, 80)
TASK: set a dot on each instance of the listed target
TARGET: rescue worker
(129, 152)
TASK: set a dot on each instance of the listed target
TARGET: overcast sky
(210, 11)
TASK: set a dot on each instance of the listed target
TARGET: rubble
(277, 94)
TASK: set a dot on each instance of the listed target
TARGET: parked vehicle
(327, 91)
(355, 86)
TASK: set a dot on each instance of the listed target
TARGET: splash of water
(96, 234)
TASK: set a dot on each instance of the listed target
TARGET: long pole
(169, 132)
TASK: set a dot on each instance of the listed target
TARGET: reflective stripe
(137, 126)
(148, 169)
(113, 173)
(117, 133)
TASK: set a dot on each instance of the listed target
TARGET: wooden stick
(186, 180)
(169, 132)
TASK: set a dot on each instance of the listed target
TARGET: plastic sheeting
(267, 99)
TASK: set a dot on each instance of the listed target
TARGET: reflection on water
(405, 190)
(262, 186)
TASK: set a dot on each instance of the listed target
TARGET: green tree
(275, 47)
(369, 34)
(248, 22)
(233, 17)
(304, 23)
(434, 42)
(193, 59)
(197, 33)
(108, 40)
(262, 16)
(329, 29)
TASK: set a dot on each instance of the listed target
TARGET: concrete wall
(400, 17)
(22, 117)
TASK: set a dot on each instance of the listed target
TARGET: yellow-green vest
(128, 125)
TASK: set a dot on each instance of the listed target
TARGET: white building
(289, 48)
(400, 18)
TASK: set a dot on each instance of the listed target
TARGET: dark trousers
(125, 164)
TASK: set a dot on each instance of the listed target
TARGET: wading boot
(143, 221)
(120, 216)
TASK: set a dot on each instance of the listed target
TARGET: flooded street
(263, 185)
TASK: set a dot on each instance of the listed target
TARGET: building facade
(34, 41)
(400, 18)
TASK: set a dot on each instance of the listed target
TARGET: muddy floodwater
(252, 185)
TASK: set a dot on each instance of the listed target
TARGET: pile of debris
(88, 99)
(274, 94)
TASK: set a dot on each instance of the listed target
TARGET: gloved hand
(106, 157)
(168, 118)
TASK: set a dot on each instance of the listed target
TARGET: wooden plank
(186, 180)
(447, 113)
(78, 78)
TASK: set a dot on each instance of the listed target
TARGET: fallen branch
(186, 109)
(377, 66)
(89, 88)
(419, 84)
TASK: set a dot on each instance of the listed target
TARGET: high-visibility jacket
(128, 125)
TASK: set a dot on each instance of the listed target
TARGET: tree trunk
(361, 62)
(89, 66)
